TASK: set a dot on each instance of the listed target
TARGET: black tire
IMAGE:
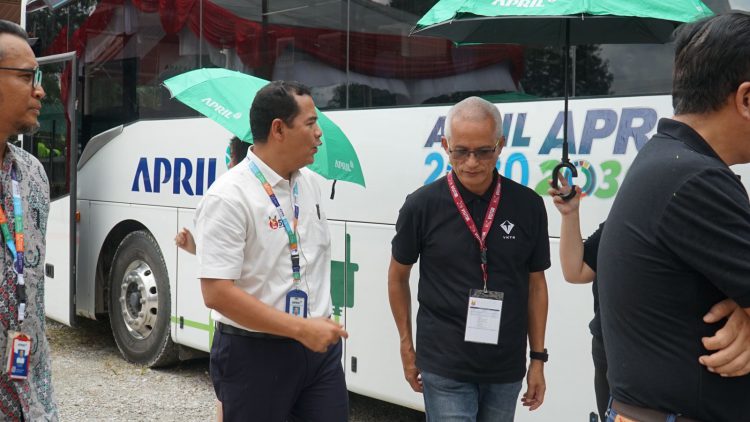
(140, 302)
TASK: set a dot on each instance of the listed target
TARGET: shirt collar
(8, 158)
(273, 178)
(687, 135)
(469, 196)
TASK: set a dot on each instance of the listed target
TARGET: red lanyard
(489, 217)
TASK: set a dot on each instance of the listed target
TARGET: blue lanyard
(290, 230)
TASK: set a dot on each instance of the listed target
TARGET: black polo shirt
(430, 228)
(677, 242)
(590, 254)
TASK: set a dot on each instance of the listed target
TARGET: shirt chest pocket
(314, 236)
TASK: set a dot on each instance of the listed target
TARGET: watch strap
(543, 356)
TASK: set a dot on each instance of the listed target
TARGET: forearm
(538, 303)
(571, 248)
(399, 296)
(239, 306)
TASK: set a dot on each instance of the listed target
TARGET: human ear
(277, 127)
(742, 100)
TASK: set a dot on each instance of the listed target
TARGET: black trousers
(601, 385)
(277, 380)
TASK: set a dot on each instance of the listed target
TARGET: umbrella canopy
(545, 22)
(559, 22)
(225, 96)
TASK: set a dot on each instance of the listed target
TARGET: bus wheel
(139, 302)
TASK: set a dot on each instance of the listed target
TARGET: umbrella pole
(566, 53)
(565, 162)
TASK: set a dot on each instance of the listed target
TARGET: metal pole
(566, 51)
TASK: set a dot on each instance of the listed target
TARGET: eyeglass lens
(37, 77)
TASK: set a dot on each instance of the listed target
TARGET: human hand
(534, 395)
(411, 372)
(565, 207)
(320, 333)
(731, 342)
(184, 239)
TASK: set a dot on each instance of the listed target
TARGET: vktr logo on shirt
(507, 227)
(274, 223)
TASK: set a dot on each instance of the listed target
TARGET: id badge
(18, 353)
(296, 303)
(483, 316)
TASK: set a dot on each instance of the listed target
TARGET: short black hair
(12, 28)
(238, 149)
(275, 101)
(712, 58)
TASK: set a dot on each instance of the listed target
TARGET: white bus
(128, 165)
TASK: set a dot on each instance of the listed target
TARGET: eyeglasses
(37, 72)
(481, 154)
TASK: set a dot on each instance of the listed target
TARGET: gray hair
(474, 109)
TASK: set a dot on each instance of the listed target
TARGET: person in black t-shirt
(678, 240)
(578, 262)
(462, 365)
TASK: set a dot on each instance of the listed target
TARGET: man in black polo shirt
(483, 247)
(677, 241)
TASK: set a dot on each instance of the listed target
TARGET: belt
(642, 414)
(234, 331)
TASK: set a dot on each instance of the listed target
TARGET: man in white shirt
(264, 256)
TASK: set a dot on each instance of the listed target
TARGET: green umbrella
(225, 96)
(547, 21)
(558, 22)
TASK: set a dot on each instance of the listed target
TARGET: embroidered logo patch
(507, 227)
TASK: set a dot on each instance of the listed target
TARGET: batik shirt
(31, 397)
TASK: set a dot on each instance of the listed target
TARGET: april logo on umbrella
(221, 110)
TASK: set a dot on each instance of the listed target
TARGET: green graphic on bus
(342, 281)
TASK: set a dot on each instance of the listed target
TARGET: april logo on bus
(180, 174)
(273, 222)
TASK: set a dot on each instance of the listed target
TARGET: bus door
(55, 145)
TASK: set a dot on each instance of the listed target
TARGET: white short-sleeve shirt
(239, 236)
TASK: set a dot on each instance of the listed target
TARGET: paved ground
(93, 383)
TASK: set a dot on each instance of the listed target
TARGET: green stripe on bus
(192, 324)
(198, 325)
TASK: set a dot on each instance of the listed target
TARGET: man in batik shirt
(25, 390)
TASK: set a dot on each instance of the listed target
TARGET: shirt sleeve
(220, 238)
(707, 225)
(407, 243)
(540, 257)
(591, 248)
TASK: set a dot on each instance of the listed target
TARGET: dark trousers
(601, 385)
(277, 380)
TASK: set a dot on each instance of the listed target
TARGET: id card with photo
(296, 303)
(18, 353)
(483, 316)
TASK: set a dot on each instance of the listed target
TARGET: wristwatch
(543, 356)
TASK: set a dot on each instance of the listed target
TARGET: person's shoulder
(431, 190)
(425, 195)
(24, 157)
(519, 192)
(28, 162)
(232, 184)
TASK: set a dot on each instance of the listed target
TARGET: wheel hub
(139, 299)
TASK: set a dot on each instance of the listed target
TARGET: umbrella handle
(556, 171)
